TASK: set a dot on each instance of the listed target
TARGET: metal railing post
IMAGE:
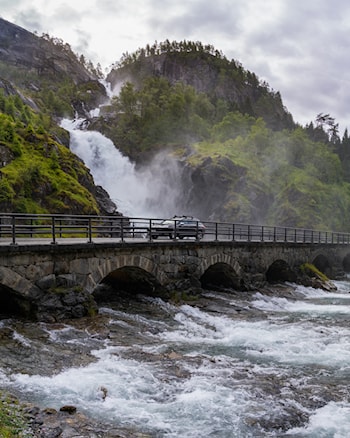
(89, 230)
(13, 230)
(150, 230)
(233, 232)
(121, 231)
(175, 229)
(53, 230)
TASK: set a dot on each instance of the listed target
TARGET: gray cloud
(197, 17)
(31, 20)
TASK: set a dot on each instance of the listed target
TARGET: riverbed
(267, 363)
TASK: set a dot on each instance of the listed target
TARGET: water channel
(266, 363)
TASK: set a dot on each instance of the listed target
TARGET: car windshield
(181, 221)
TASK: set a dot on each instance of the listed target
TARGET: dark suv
(178, 227)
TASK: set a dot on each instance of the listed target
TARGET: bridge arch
(278, 271)
(16, 293)
(220, 270)
(128, 272)
(322, 263)
(346, 263)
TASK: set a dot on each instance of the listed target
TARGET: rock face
(240, 89)
(18, 47)
(35, 58)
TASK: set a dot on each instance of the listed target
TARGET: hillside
(208, 71)
(41, 80)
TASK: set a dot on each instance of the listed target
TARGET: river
(268, 363)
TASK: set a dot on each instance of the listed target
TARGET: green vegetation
(13, 421)
(39, 174)
(158, 114)
(311, 270)
(55, 97)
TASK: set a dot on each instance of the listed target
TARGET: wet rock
(69, 408)
(65, 303)
(5, 333)
(47, 282)
(103, 392)
(50, 411)
(75, 425)
(174, 355)
(46, 317)
(51, 432)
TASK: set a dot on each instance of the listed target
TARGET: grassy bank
(13, 420)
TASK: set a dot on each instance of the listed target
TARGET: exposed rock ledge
(66, 422)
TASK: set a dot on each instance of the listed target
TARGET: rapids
(266, 363)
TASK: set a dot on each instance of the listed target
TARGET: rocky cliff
(21, 48)
(211, 74)
(41, 80)
(43, 65)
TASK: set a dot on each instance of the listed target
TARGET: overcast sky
(300, 47)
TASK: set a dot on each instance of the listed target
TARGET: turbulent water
(271, 363)
(152, 191)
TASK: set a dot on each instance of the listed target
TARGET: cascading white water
(152, 191)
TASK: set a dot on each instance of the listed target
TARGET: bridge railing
(18, 228)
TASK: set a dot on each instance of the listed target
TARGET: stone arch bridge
(31, 275)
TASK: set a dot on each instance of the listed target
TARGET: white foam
(21, 339)
(138, 394)
(277, 304)
(332, 420)
(293, 343)
(217, 382)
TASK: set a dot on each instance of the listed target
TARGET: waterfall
(148, 192)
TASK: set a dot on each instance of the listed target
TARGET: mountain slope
(47, 71)
(208, 71)
(40, 81)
